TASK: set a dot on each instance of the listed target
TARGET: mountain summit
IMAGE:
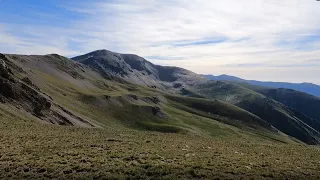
(136, 69)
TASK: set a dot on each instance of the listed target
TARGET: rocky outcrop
(7, 89)
(22, 93)
(4, 70)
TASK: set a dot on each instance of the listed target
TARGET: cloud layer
(255, 39)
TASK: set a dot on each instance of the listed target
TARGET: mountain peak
(135, 68)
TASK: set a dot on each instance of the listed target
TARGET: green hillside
(277, 114)
(63, 119)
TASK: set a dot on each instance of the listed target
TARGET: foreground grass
(29, 150)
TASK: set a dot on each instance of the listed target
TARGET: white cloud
(266, 32)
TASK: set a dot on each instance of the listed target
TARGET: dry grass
(204, 148)
(30, 150)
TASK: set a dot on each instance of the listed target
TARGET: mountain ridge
(306, 87)
(187, 83)
(108, 89)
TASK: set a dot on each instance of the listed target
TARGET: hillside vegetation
(118, 116)
(30, 150)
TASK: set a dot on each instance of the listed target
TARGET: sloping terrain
(23, 94)
(116, 129)
(30, 150)
(184, 82)
(87, 95)
(302, 105)
(138, 70)
(277, 114)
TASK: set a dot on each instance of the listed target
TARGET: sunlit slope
(32, 150)
(120, 104)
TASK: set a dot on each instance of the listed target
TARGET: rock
(41, 105)
(2, 64)
(27, 81)
(2, 56)
(7, 90)
(22, 93)
(47, 105)
(37, 109)
(2, 99)
(155, 100)
(135, 97)
(4, 70)
(157, 112)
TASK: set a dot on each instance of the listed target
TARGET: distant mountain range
(309, 88)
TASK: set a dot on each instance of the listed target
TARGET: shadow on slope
(275, 113)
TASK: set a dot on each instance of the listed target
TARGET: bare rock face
(27, 81)
(41, 105)
(2, 64)
(21, 93)
(4, 69)
(7, 89)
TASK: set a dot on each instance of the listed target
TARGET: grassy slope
(204, 147)
(36, 151)
(266, 108)
(303, 105)
(134, 68)
(108, 103)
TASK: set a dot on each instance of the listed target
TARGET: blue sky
(254, 39)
